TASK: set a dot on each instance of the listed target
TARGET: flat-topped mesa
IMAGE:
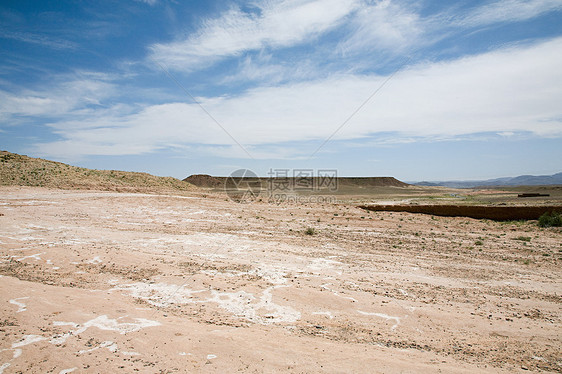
(372, 181)
(204, 180)
(208, 181)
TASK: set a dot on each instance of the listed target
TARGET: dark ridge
(371, 182)
(207, 181)
(204, 180)
(496, 213)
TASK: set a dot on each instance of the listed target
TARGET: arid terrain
(100, 281)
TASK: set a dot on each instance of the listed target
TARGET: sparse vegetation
(19, 170)
(523, 238)
(310, 231)
(552, 219)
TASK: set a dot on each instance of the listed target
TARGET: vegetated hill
(522, 180)
(207, 181)
(18, 170)
(204, 180)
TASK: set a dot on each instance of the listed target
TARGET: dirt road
(105, 282)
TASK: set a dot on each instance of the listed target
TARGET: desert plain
(100, 281)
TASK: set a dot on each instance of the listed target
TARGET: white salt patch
(131, 223)
(196, 212)
(335, 293)
(111, 346)
(35, 256)
(60, 339)
(37, 202)
(28, 339)
(322, 264)
(271, 274)
(24, 238)
(241, 303)
(20, 249)
(130, 353)
(102, 323)
(327, 314)
(59, 323)
(385, 316)
(108, 324)
(21, 306)
(95, 260)
(17, 353)
(212, 256)
(159, 294)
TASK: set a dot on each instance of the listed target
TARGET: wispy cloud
(384, 29)
(509, 11)
(516, 89)
(265, 70)
(42, 40)
(275, 24)
(69, 95)
(149, 2)
(383, 26)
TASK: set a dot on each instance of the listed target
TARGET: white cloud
(149, 2)
(69, 95)
(42, 40)
(385, 25)
(263, 70)
(278, 24)
(509, 11)
(510, 90)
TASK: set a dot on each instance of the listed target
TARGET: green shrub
(552, 219)
(523, 238)
(310, 231)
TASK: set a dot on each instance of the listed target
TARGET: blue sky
(419, 90)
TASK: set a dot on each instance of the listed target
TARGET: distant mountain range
(522, 180)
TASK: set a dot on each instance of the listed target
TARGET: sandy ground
(100, 282)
